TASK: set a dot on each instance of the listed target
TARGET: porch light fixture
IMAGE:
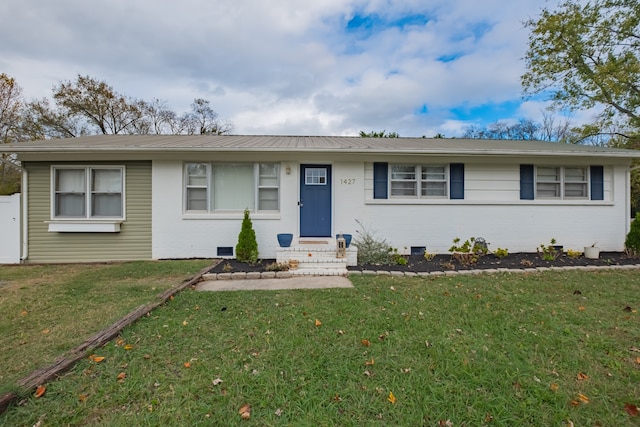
(287, 169)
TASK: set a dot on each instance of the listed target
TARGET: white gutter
(25, 222)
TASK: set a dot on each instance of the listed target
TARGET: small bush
(501, 253)
(371, 250)
(277, 266)
(468, 252)
(429, 256)
(247, 247)
(574, 254)
(548, 252)
(632, 242)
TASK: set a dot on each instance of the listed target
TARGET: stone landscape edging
(255, 275)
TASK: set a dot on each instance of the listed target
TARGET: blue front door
(315, 200)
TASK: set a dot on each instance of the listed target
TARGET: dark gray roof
(327, 144)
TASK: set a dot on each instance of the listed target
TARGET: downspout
(25, 223)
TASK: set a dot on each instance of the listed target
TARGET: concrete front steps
(317, 257)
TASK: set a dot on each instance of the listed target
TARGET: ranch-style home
(118, 197)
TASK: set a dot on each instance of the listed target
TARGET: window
(88, 192)
(418, 181)
(315, 176)
(561, 182)
(232, 186)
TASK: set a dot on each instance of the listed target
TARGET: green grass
(49, 309)
(496, 350)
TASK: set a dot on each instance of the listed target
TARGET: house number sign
(347, 181)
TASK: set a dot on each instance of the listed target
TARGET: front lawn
(49, 309)
(495, 350)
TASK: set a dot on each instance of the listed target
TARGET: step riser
(322, 256)
(326, 265)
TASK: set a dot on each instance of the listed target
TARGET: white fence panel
(10, 229)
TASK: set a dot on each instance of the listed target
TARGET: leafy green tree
(381, 134)
(587, 54)
(247, 247)
(11, 104)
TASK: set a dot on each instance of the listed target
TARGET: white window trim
(563, 182)
(86, 224)
(230, 213)
(418, 181)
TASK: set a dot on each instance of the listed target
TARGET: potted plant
(285, 239)
(592, 252)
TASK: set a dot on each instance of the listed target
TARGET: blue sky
(288, 67)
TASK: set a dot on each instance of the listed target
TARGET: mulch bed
(417, 263)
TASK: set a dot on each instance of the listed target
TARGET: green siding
(133, 242)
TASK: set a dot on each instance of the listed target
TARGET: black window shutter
(597, 183)
(456, 180)
(380, 180)
(526, 182)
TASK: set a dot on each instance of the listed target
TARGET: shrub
(632, 242)
(371, 250)
(468, 252)
(397, 258)
(247, 247)
(548, 252)
(429, 256)
(574, 254)
(277, 266)
(501, 253)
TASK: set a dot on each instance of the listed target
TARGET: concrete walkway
(300, 282)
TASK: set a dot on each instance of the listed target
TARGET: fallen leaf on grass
(96, 359)
(638, 360)
(365, 343)
(245, 411)
(582, 308)
(40, 391)
(24, 313)
(187, 364)
(278, 412)
(391, 398)
(217, 381)
(392, 288)
(128, 347)
(185, 323)
(369, 363)
(119, 342)
(583, 398)
(82, 397)
(553, 387)
(631, 409)
(318, 323)
(582, 377)
(443, 423)
(46, 331)
(122, 376)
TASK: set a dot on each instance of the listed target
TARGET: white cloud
(284, 66)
